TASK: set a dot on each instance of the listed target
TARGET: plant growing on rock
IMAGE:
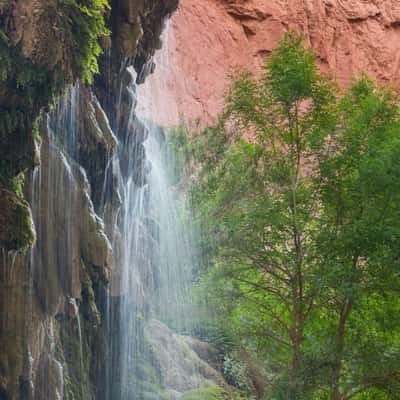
(84, 24)
(29, 83)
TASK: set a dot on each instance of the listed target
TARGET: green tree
(359, 229)
(298, 191)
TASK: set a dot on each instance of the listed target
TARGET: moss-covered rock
(16, 227)
(44, 45)
(210, 393)
(57, 35)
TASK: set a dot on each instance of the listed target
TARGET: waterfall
(78, 320)
(70, 243)
(152, 256)
(112, 266)
(173, 260)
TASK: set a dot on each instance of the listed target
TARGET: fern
(85, 24)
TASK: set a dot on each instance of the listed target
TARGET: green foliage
(17, 185)
(291, 71)
(297, 188)
(235, 372)
(211, 393)
(84, 24)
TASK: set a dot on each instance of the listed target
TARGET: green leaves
(360, 176)
(291, 71)
(298, 193)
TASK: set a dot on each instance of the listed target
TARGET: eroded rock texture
(184, 361)
(208, 37)
(53, 298)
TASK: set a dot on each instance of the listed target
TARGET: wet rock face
(50, 349)
(183, 366)
(29, 23)
(136, 29)
(208, 37)
(137, 26)
(68, 230)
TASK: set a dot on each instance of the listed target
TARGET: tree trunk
(296, 331)
(344, 314)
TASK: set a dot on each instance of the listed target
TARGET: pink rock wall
(207, 37)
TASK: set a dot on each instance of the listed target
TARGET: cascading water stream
(62, 211)
(151, 244)
(78, 321)
(174, 257)
(154, 263)
(152, 249)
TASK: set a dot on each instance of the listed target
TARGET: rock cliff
(55, 256)
(208, 37)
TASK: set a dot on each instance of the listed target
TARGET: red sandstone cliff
(206, 37)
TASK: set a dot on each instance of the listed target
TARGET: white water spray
(152, 247)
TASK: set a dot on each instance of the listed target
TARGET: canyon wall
(56, 141)
(208, 37)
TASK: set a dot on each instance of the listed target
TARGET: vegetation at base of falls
(297, 189)
(146, 382)
(142, 368)
(212, 393)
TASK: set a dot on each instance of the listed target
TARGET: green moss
(28, 83)
(24, 90)
(8, 179)
(36, 129)
(210, 393)
(214, 393)
(21, 232)
(17, 185)
(84, 24)
(27, 87)
(90, 313)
